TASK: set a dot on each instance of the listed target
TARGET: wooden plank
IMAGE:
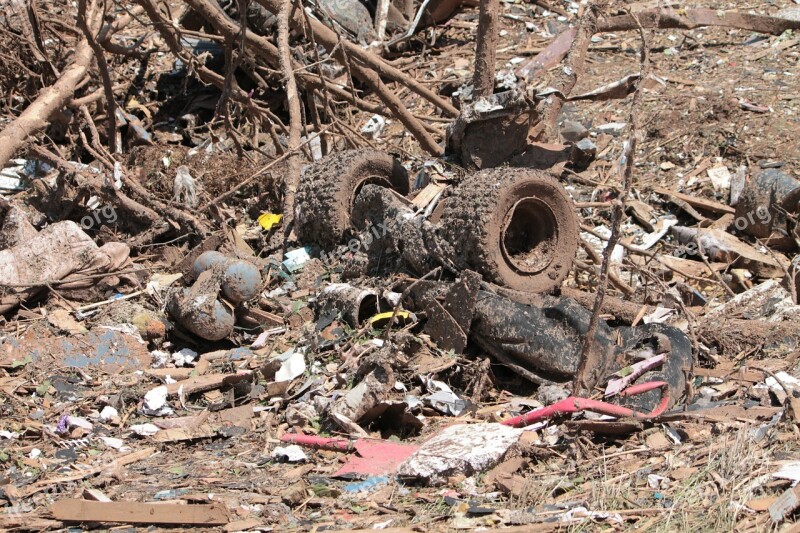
(427, 195)
(752, 376)
(174, 373)
(785, 504)
(694, 201)
(205, 431)
(71, 510)
(204, 383)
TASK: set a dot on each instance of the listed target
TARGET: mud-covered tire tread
(467, 225)
(326, 190)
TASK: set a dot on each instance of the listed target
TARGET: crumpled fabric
(57, 253)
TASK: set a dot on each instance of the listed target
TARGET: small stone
(612, 128)
(573, 131)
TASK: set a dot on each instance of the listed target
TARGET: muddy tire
(328, 189)
(517, 227)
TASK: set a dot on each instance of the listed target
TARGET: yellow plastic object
(267, 220)
(385, 317)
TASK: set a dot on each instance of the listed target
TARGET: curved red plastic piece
(575, 405)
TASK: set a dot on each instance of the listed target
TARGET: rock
(573, 131)
(612, 128)
(583, 153)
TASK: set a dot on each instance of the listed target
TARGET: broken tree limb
(689, 19)
(37, 115)
(264, 48)
(551, 56)
(206, 75)
(393, 102)
(328, 39)
(486, 49)
(105, 76)
(295, 119)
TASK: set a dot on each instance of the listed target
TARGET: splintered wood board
(72, 510)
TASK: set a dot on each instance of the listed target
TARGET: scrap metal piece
(492, 130)
(355, 304)
(449, 324)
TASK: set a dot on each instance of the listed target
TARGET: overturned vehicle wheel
(329, 188)
(517, 227)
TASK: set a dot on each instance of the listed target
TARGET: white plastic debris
(115, 443)
(78, 422)
(442, 398)
(612, 128)
(108, 413)
(291, 454)
(768, 301)
(160, 358)
(789, 471)
(465, 449)
(155, 402)
(374, 126)
(720, 178)
(294, 364)
(184, 357)
(145, 430)
(297, 259)
(662, 228)
(786, 380)
(659, 316)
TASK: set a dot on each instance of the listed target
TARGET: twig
(714, 273)
(327, 38)
(105, 76)
(50, 100)
(689, 19)
(589, 362)
(596, 259)
(110, 300)
(381, 14)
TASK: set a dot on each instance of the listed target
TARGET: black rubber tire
(328, 189)
(476, 215)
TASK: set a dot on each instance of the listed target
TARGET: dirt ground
(718, 97)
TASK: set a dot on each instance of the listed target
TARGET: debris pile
(271, 265)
